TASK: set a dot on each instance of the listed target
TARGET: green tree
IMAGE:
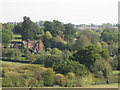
(70, 75)
(13, 54)
(7, 37)
(51, 59)
(101, 68)
(17, 28)
(69, 32)
(56, 51)
(60, 79)
(29, 29)
(49, 77)
(87, 55)
(8, 26)
(48, 35)
(109, 35)
(65, 66)
(55, 27)
(82, 41)
(91, 35)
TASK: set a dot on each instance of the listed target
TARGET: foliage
(70, 75)
(13, 53)
(101, 68)
(91, 36)
(87, 55)
(7, 37)
(109, 35)
(29, 29)
(17, 28)
(48, 77)
(54, 43)
(56, 51)
(60, 79)
(48, 35)
(82, 41)
(51, 59)
(55, 27)
(69, 32)
(70, 66)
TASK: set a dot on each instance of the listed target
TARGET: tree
(70, 76)
(13, 54)
(51, 59)
(101, 68)
(87, 55)
(92, 36)
(69, 32)
(65, 66)
(17, 28)
(82, 41)
(8, 26)
(56, 51)
(49, 77)
(7, 37)
(55, 27)
(109, 35)
(29, 29)
(48, 35)
(60, 79)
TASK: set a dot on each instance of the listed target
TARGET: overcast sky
(73, 11)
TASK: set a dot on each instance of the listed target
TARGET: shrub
(48, 77)
(70, 75)
(100, 81)
(60, 79)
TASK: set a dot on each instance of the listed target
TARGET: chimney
(40, 45)
(28, 44)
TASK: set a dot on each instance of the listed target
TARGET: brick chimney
(28, 44)
(40, 45)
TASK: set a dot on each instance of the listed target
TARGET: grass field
(17, 63)
(14, 63)
(115, 85)
(90, 86)
(16, 35)
(17, 38)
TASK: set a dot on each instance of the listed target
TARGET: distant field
(14, 63)
(17, 63)
(17, 35)
(90, 86)
(115, 85)
(17, 38)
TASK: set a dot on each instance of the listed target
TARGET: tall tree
(7, 37)
(109, 35)
(69, 32)
(55, 27)
(29, 29)
(87, 55)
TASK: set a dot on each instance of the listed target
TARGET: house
(35, 45)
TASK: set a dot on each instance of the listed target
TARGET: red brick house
(34, 45)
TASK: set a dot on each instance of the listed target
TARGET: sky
(67, 11)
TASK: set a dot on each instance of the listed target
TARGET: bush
(60, 80)
(70, 83)
(100, 81)
(48, 77)
(40, 59)
(70, 66)
(101, 68)
(70, 75)
(13, 54)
